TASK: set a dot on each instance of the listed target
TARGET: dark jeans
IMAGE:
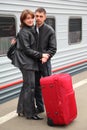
(44, 70)
(26, 99)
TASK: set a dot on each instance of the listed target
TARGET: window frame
(52, 17)
(4, 48)
(80, 30)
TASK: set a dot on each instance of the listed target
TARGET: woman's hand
(45, 57)
(13, 41)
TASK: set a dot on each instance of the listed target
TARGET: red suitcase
(59, 99)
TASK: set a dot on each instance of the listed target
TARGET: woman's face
(29, 21)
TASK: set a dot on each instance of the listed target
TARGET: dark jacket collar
(40, 26)
(28, 27)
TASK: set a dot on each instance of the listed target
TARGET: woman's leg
(26, 99)
(20, 108)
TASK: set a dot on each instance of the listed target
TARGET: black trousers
(44, 70)
(26, 99)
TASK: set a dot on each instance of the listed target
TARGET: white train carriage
(67, 17)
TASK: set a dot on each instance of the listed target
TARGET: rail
(55, 70)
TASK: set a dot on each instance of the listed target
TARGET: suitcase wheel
(50, 122)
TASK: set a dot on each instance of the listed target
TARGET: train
(69, 20)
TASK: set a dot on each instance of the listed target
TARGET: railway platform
(10, 121)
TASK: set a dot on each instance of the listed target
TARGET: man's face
(40, 18)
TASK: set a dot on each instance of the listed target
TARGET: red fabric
(59, 98)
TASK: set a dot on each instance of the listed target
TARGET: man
(46, 43)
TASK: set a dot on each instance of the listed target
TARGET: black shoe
(39, 111)
(35, 117)
(39, 118)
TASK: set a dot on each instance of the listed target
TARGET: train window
(50, 21)
(75, 30)
(7, 31)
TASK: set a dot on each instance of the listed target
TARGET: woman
(26, 60)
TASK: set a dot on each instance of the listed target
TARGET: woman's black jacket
(26, 55)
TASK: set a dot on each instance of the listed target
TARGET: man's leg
(38, 94)
(44, 70)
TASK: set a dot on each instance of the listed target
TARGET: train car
(69, 20)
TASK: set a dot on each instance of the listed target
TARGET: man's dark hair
(41, 9)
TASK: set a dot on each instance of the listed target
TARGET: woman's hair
(24, 16)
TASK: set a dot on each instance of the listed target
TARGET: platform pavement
(19, 123)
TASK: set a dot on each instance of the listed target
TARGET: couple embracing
(37, 44)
